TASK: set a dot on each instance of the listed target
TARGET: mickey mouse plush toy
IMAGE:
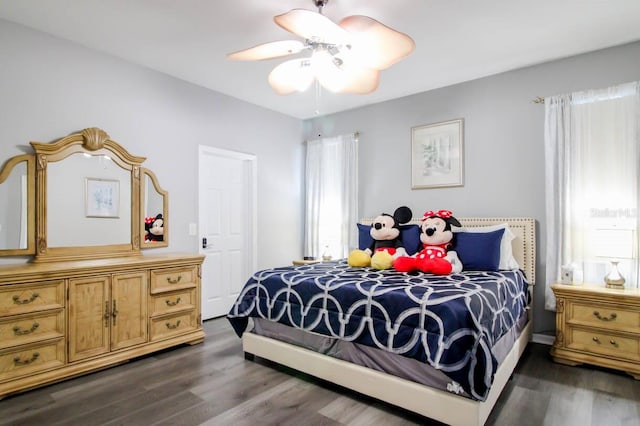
(436, 256)
(387, 242)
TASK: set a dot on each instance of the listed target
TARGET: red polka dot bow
(444, 214)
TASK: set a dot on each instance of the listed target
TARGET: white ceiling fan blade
(312, 26)
(346, 78)
(291, 76)
(374, 44)
(274, 49)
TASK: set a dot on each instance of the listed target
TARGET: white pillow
(507, 261)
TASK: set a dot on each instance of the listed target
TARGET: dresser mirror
(154, 204)
(17, 210)
(88, 199)
(81, 197)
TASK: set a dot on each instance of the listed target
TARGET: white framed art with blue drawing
(437, 155)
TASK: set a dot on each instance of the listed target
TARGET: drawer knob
(595, 339)
(601, 318)
(613, 342)
(170, 303)
(18, 332)
(173, 326)
(174, 280)
(17, 301)
(18, 361)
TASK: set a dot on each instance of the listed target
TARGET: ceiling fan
(345, 58)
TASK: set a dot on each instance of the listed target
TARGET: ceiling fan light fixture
(295, 75)
(350, 79)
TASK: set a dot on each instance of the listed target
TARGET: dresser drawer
(24, 329)
(609, 344)
(25, 298)
(172, 279)
(603, 316)
(167, 326)
(22, 361)
(166, 303)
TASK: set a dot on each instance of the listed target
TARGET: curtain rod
(538, 100)
(356, 135)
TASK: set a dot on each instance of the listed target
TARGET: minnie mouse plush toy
(154, 228)
(436, 256)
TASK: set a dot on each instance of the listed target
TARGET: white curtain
(592, 170)
(331, 211)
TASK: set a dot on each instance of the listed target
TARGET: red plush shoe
(405, 264)
(441, 267)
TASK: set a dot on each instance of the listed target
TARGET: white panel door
(227, 218)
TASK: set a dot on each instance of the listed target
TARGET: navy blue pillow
(410, 235)
(479, 251)
(364, 237)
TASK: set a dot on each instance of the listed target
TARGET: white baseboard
(544, 339)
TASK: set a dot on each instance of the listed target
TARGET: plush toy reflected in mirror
(154, 228)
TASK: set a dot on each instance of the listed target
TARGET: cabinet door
(89, 317)
(129, 318)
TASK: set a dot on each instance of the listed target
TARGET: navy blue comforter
(450, 322)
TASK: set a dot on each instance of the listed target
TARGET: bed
(388, 346)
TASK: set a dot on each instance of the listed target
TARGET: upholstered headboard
(524, 243)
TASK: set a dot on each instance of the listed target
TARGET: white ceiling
(456, 40)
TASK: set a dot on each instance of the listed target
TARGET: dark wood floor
(212, 384)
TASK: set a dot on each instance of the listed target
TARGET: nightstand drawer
(604, 343)
(603, 316)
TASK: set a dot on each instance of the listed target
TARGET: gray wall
(50, 88)
(503, 143)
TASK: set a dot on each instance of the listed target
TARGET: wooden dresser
(61, 319)
(88, 298)
(599, 326)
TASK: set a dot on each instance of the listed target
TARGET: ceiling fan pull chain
(318, 95)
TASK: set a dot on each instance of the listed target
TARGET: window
(592, 171)
(331, 209)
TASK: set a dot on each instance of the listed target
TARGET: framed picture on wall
(102, 197)
(437, 155)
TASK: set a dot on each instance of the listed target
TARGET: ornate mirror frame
(5, 172)
(94, 142)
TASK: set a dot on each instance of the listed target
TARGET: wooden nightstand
(597, 325)
(299, 262)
